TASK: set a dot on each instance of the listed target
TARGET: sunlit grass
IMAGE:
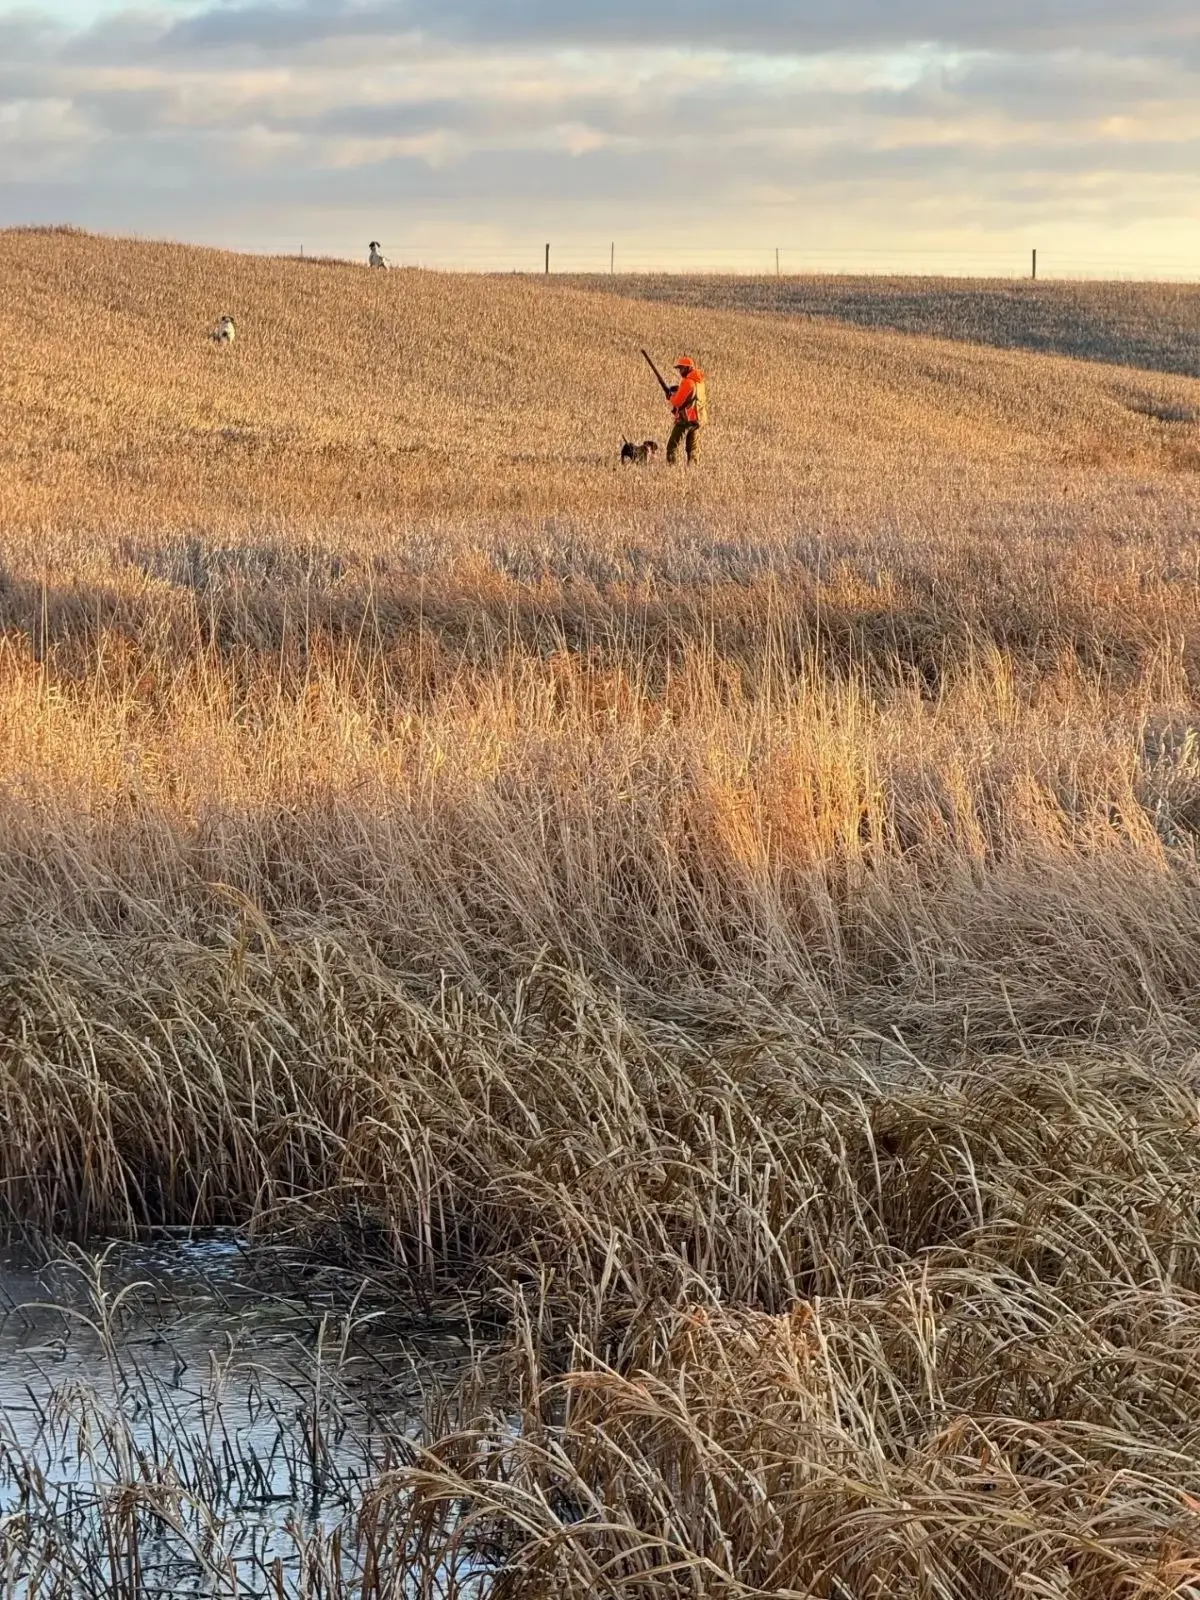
(746, 922)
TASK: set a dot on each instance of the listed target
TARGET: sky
(890, 135)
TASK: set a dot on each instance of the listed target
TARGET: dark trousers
(686, 434)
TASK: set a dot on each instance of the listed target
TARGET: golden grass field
(746, 922)
(1154, 326)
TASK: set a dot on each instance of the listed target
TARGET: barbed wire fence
(611, 259)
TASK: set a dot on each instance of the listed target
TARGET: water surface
(190, 1416)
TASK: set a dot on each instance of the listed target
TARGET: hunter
(689, 402)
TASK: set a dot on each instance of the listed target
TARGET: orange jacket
(689, 399)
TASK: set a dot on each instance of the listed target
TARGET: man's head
(684, 365)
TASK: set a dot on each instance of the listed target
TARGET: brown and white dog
(638, 455)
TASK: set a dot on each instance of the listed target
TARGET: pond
(193, 1416)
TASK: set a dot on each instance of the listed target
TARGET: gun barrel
(662, 382)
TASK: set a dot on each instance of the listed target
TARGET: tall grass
(745, 923)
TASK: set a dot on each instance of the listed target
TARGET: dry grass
(751, 918)
(1155, 326)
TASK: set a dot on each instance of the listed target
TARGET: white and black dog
(224, 332)
(376, 258)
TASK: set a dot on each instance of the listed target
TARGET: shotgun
(662, 382)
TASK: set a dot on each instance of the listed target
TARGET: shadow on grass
(759, 618)
(1155, 327)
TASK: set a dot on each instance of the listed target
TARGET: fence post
(1035, 266)
(547, 260)
(776, 260)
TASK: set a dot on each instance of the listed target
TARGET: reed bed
(745, 925)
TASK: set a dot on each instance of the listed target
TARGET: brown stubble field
(746, 924)
(1152, 326)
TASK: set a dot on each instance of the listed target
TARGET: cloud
(918, 122)
(773, 26)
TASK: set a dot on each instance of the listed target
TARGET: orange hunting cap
(684, 364)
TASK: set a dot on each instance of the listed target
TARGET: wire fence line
(578, 260)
